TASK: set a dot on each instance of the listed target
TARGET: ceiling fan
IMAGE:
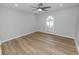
(40, 7)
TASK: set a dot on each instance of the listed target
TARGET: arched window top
(49, 18)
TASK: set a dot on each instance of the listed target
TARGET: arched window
(50, 21)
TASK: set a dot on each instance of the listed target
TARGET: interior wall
(64, 21)
(37, 22)
(14, 23)
(77, 32)
(77, 37)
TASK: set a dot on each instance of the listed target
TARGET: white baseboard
(58, 35)
(77, 46)
(16, 37)
(33, 32)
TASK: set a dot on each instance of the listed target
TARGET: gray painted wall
(15, 23)
(64, 22)
(77, 32)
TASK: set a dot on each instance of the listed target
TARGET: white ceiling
(25, 6)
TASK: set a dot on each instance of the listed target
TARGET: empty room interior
(39, 28)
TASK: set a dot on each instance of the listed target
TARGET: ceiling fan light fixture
(39, 9)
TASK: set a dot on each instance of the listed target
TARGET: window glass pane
(50, 21)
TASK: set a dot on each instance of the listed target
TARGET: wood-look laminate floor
(39, 44)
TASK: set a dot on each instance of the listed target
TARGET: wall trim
(17, 37)
(58, 35)
(77, 46)
(37, 31)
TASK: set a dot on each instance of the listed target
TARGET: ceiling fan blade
(46, 7)
(40, 7)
